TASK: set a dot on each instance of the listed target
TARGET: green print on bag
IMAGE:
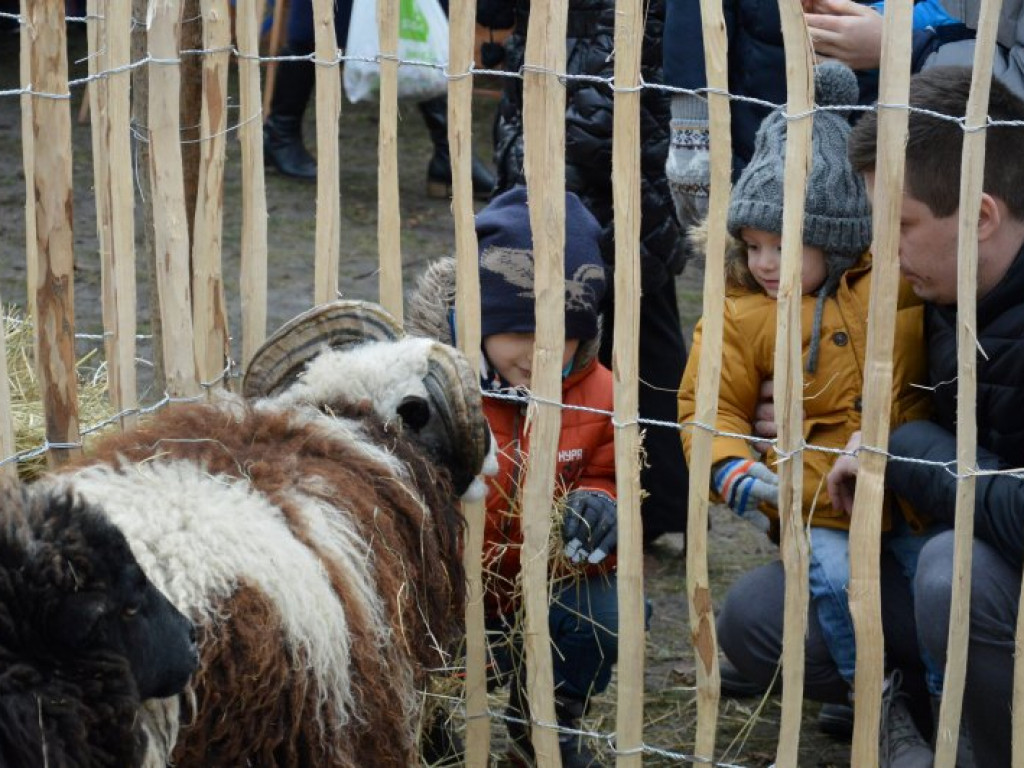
(412, 24)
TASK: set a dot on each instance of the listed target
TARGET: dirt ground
(427, 232)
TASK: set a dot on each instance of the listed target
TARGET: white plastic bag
(422, 36)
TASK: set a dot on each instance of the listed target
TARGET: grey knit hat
(837, 216)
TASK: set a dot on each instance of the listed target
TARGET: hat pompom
(835, 85)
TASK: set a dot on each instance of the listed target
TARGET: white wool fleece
(381, 372)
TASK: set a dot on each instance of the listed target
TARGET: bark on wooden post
(389, 217)
(462, 28)
(972, 170)
(544, 138)
(629, 34)
(209, 313)
(254, 190)
(328, 181)
(866, 527)
(789, 376)
(698, 583)
(169, 215)
(51, 195)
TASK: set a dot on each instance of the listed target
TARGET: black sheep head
(77, 602)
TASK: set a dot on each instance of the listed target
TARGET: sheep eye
(130, 610)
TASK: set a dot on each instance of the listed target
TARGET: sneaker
(900, 743)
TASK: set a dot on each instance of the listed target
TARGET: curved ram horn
(455, 393)
(283, 357)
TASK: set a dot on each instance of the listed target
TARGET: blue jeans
(829, 575)
(584, 625)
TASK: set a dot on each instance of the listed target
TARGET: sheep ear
(415, 412)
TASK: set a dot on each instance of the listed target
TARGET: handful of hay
(28, 419)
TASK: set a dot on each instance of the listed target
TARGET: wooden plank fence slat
(254, 190)
(8, 472)
(789, 376)
(629, 34)
(31, 256)
(972, 170)
(209, 313)
(171, 236)
(389, 214)
(866, 527)
(461, 33)
(544, 162)
(698, 583)
(328, 180)
(54, 242)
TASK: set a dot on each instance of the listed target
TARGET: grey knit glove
(590, 526)
(688, 165)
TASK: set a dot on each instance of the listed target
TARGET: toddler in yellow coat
(835, 283)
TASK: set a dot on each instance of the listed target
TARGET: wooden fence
(195, 333)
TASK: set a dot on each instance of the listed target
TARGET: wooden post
(51, 193)
(254, 190)
(698, 583)
(27, 152)
(389, 217)
(467, 323)
(629, 35)
(544, 139)
(789, 376)
(866, 527)
(972, 170)
(8, 472)
(328, 181)
(209, 314)
(169, 216)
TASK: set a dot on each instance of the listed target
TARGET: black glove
(590, 526)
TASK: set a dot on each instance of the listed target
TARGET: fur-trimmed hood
(430, 310)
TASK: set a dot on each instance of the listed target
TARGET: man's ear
(990, 216)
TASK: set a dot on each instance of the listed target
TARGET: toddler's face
(511, 354)
(764, 256)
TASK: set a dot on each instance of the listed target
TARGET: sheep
(311, 529)
(84, 636)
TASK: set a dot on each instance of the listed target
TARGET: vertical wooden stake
(389, 216)
(328, 181)
(789, 376)
(629, 35)
(51, 194)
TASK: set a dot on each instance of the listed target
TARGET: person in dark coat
(588, 164)
(283, 147)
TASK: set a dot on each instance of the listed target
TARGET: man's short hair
(935, 145)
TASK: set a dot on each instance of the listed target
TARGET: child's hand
(743, 484)
(590, 526)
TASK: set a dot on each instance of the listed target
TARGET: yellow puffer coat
(832, 395)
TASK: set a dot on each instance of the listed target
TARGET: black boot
(282, 130)
(439, 170)
(572, 745)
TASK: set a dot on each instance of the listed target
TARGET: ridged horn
(455, 392)
(283, 357)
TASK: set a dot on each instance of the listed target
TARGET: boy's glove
(743, 484)
(688, 166)
(590, 526)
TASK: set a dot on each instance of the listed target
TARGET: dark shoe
(964, 747)
(283, 147)
(439, 169)
(735, 685)
(900, 743)
(836, 720)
